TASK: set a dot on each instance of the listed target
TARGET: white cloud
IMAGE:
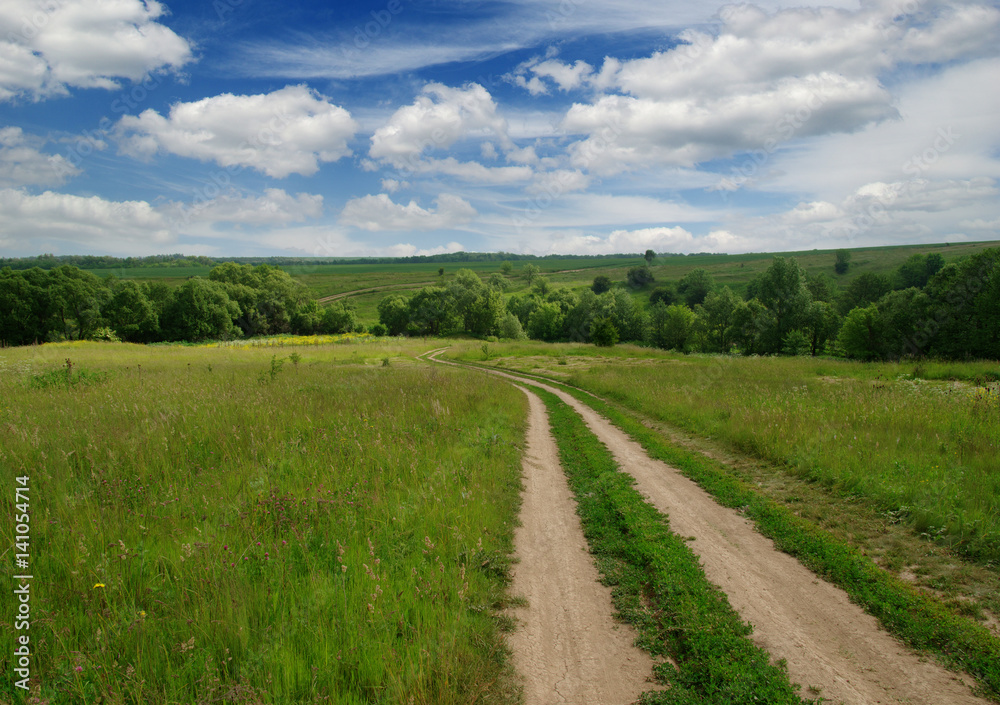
(474, 171)
(48, 46)
(566, 76)
(437, 120)
(56, 222)
(408, 250)
(285, 132)
(393, 185)
(660, 239)
(559, 182)
(273, 207)
(763, 80)
(381, 213)
(21, 164)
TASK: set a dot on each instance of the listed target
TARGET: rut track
(832, 647)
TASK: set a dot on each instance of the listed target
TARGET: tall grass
(923, 450)
(922, 440)
(207, 528)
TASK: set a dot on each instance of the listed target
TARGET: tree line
(236, 300)
(924, 308)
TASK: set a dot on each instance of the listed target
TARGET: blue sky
(399, 127)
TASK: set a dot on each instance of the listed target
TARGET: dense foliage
(924, 308)
(66, 303)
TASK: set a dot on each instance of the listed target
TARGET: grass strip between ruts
(659, 584)
(919, 619)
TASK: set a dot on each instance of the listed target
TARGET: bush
(638, 277)
(378, 329)
(601, 284)
(603, 333)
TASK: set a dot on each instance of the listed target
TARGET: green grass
(207, 528)
(659, 585)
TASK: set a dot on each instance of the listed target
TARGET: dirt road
(568, 647)
(833, 648)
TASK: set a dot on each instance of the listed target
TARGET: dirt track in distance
(832, 647)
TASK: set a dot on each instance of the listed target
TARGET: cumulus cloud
(763, 79)
(289, 131)
(379, 212)
(437, 120)
(62, 222)
(273, 207)
(22, 164)
(48, 47)
(530, 74)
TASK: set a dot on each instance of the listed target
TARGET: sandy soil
(832, 647)
(569, 648)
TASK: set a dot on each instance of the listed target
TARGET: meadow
(294, 524)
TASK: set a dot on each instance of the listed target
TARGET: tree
(506, 268)
(23, 309)
(843, 262)
(861, 335)
(510, 328)
(603, 332)
(394, 313)
(601, 284)
(529, 272)
(866, 289)
(783, 293)
(542, 286)
(432, 311)
(718, 316)
(918, 269)
(821, 287)
(200, 309)
(638, 277)
(337, 318)
(498, 282)
(130, 314)
(671, 327)
(649, 257)
(665, 293)
(694, 286)
(624, 312)
(821, 324)
(77, 297)
(546, 322)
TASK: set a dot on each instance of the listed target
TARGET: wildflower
(98, 585)
(79, 669)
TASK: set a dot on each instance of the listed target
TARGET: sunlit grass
(206, 531)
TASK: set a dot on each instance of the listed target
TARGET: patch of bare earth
(568, 648)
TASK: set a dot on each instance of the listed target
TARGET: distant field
(734, 271)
